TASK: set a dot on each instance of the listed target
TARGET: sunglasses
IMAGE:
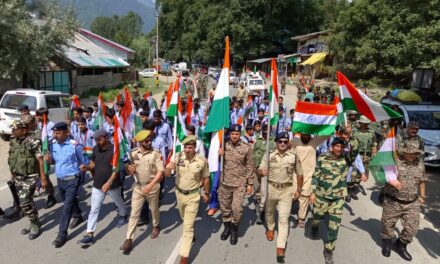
(285, 142)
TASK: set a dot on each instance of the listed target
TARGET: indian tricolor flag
(354, 99)
(315, 119)
(219, 114)
(45, 142)
(100, 114)
(383, 167)
(120, 147)
(273, 95)
(173, 100)
(181, 131)
(167, 101)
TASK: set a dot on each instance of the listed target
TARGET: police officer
(67, 155)
(280, 168)
(26, 165)
(327, 195)
(191, 172)
(147, 169)
(403, 198)
(236, 180)
(260, 183)
(241, 92)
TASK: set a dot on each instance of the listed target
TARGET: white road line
(175, 253)
(3, 187)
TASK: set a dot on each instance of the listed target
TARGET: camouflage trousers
(334, 209)
(231, 202)
(408, 214)
(260, 191)
(26, 187)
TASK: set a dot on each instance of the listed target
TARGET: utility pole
(157, 41)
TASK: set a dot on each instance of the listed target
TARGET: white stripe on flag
(315, 119)
(213, 157)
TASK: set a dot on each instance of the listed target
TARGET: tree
(31, 35)
(387, 39)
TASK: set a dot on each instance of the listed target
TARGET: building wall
(83, 83)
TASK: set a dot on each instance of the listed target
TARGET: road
(358, 242)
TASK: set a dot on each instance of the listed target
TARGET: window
(14, 101)
(429, 120)
(52, 101)
(65, 101)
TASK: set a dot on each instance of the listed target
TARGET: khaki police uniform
(148, 164)
(282, 169)
(189, 178)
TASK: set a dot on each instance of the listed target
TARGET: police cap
(60, 126)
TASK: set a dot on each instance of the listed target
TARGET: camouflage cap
(413, 124)
(411, 148)
(28, 119)
(364, 120)
(17, 124)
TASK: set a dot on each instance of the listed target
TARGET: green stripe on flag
(311, 129)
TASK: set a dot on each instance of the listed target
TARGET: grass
(145, 84)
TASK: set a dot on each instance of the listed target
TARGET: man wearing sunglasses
(148, 170)
(280, 169)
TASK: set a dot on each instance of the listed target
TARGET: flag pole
(173, 158)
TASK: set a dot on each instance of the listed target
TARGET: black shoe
(59, 241)
(348, 198)
(381, 197)
(226, 232)
(328, 257)
(25, 231)
(1, 212)
(142, 222)
(33, 236)
(76, 222)
(386, 247)
(51, 201)
(354, 196)
(314, 231)
(401, 250)
(234, 236)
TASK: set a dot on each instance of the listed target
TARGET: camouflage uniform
(403, 204)
(257, 155)
(202, 84)
(23, 160)
(403, 140)
(238, 172)
(330, 187)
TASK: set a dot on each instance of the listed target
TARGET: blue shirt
(164, 131)
(87, 141)
(67, 156)
(159, 145)
(74, 129)
(90, 122)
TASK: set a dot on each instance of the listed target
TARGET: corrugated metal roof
(260, 60)
(85, 54)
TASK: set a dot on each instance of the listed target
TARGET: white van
(428, 117)
(56, 102)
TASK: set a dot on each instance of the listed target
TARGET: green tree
(31, 35)
(387, 39)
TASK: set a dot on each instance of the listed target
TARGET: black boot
(401, 250)
(314, 231)
(51, 201)
(381, 196)
(1, 212)
(259, 221)
(234, 236)
(386, 247)
(354, 192)
(226, 231)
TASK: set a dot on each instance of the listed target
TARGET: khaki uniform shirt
(241, 93)
(282, 167)
(190, 173)
(410, 175)
(147, 164)
(238, 165)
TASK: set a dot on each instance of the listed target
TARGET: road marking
(175, 253)
(3, 187)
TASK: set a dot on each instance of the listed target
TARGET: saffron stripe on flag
(316, 109)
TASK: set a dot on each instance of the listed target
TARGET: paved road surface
(359, 240)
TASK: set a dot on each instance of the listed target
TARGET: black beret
(338, 140)
(235, 127)
(60, 126)
(23, 107)
(282, 135)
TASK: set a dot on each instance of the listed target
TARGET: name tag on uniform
(181, 163)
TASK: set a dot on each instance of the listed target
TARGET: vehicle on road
(165, 69)
(428, 116)
(233, 79)
(216, 73)
(254, 84)
(183, 66)
(148, 73)
(211, 71)
(176, 67)
(56, 102)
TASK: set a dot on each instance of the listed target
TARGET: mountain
(88, 10)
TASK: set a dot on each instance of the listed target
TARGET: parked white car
(255, 84)
(211, 71)
(428, 116)
(232, 77)
(56, 102)
(148, 73)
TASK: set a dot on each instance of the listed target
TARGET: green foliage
(387, 38)
(195, 30)
(31, 35)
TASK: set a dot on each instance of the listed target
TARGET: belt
(281, 185)
(26, 176)
(68, 178)
(184, 192)
(392, 198)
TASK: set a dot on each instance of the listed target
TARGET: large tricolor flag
(273, 94)
(45, 142)
(128, 112)
(354, 99)
(383, 167)
(173, 100)
(315, 119)
(219, 118)
(120, 147)
(74, 103)
(167, 101)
